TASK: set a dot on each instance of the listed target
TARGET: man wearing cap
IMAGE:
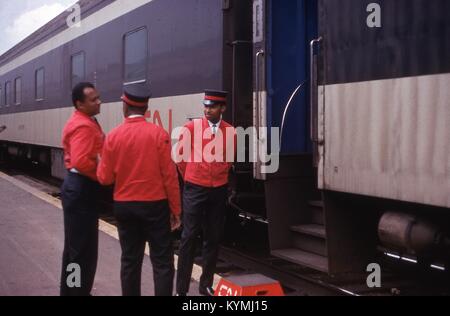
(82, 142)
(137, 158)
(205, 192)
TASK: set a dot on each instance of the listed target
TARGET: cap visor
(209, 102)
(213, 103)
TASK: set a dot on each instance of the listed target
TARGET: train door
(282, 33)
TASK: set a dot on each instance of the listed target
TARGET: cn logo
(224, 290)
(374, 278)
(74, 278)
(374, 18)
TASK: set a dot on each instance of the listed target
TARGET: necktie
(214, 129)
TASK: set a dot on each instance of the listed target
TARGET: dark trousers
(139, 223)
(204, 211)
(79, 200)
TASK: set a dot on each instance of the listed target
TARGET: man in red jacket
(137, 158)
(205, 190)
(82, 143)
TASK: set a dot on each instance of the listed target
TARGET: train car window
(18, 91)
(78, 68)
(135, 56)
(8, 93)
(39, 84)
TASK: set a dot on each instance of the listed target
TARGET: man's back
(138, 160)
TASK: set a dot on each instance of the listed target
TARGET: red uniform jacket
(82, 141)
(137, 158)
(200, 169)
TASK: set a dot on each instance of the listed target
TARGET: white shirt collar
(217, 124)
(135, 116)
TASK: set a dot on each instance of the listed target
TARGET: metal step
(317, 216)
(312, 244)
(310, 229)
(303, 258)
(310, 238)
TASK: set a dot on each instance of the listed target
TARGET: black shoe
(206, 291)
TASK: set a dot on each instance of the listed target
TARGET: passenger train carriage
(359, 91)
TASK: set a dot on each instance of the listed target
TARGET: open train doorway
(283, 31)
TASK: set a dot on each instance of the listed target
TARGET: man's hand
(175, 222)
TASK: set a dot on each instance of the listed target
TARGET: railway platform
(32, 240)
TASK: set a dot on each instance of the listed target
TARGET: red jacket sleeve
(105, 171)
(188, 130)
(179, 151)
(83, 153)
(169, 173)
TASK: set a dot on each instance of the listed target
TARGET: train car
(355, 93)
(178, 47)
(375, 138)
(382, 130)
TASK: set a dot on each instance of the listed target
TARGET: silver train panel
(260, 141)
(45, 127)
(167, 112)
(389, 139)
(41, 128)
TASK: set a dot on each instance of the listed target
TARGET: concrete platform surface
(31, 245)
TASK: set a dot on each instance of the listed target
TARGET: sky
(20, 18)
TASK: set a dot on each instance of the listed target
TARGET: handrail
(286, 109)
(257, 92)
(313, 92)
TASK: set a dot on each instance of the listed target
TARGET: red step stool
(249, 285)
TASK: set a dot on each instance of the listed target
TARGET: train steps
(317, 216)
(309, 246)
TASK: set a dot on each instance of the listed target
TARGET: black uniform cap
(136, 95)
(213, 97)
